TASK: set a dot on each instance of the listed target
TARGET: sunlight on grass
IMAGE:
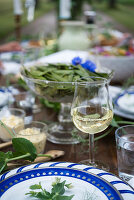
(124, 14)
(7, 18)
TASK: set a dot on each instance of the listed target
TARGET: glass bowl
(13, 118)
(55, 91)
(36, 132)
(62, 92)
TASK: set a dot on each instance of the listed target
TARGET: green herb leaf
(3, 165)
(114, 123)
(3, 162)
(24, 146)
(57, 191)
(36, 186)
(59, 188)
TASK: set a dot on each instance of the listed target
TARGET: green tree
(112, 3)
(76, 9)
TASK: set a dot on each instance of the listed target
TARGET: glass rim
(119, 137)
(42, 123)
(17, 109)
(35, 80)
(101, 80)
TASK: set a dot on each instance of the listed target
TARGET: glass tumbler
(125, 151)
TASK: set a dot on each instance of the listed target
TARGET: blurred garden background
(122, 11)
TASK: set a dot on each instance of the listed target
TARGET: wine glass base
(96, 164)
(59, 134)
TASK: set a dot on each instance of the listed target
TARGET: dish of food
(84, 184)
(13, 123)
(125, 102)
(123, 188)
(55, 82)
(37, 137)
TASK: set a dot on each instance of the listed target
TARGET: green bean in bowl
(55, 82)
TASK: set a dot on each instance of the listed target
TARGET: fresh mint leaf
(35, 187)
(3, 160)
(3, 165)
(59, 188)
(24, 146)
(57, 191)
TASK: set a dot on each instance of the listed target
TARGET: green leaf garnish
(57, 191)
(24, 149)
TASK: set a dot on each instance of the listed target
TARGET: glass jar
(74, 36)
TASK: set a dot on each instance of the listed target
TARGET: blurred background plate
(125, 102)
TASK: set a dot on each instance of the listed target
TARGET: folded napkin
(10, 68)
(64, 56)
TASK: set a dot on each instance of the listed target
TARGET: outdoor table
(105, 148)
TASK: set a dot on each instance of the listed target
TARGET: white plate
(125, 102)
(123, 114)
(114, 93)
(84, 184)
(124, 189)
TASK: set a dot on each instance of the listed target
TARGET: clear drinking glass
(37, 133)
(25, 101)
(125, 151)
(92, 110)
(13, 118)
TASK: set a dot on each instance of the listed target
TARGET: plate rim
(64, 168)
(118, 97)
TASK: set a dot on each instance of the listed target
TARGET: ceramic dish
(84, 184)
(4, 96)
(123, 188)
(125, 102)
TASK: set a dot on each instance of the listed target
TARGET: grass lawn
(7, 18)
(124, 13)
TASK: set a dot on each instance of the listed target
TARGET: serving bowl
(62, 92)
(123, 66)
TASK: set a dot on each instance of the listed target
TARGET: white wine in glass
(92, 110)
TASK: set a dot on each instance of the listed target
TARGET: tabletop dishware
(61, 92)
(125, 151)
(36, 132)
(25, 101)
(13, 118)
(123, 188)
(125, 102)
(85, 184)
(92, 110)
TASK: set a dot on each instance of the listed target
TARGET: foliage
(122, 14)
(129, 82)
(7, 17)
(23, 149)
(57, 191)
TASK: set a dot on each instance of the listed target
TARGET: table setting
(85, 166)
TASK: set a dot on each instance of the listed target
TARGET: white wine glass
(92, 111)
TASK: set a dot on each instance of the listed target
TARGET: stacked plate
(88, 182)
(124, 104)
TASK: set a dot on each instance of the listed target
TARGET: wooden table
(105, 150)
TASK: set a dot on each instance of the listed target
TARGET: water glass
(25, 101)
(125, 151)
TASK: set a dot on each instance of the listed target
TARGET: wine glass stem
(91, 148)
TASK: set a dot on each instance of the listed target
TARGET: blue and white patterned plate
(12, 182)
(125, 102)
(84, 184)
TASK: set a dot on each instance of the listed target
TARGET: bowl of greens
(55, 82)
